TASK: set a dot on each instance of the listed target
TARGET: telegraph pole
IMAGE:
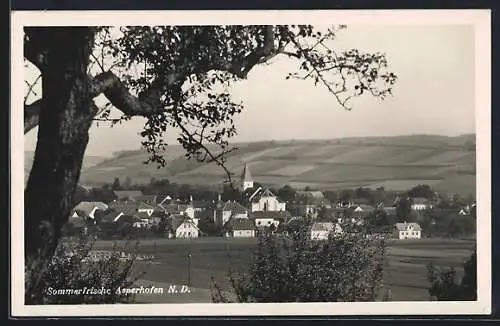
(189, 268)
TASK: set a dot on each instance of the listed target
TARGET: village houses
(407, 231)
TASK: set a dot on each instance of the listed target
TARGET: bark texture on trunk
(65, 118)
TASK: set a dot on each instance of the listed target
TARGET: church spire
(246, 175)
(246, 178)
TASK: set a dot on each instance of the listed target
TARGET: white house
(407, 231)
(322, 230)
(240, 228)
(419, 204)
(265, 201)
(182, 227)
(270, 218)
(187, 229)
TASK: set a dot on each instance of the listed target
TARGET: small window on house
(189, 234)
(258, 222)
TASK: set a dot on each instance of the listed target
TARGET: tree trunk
(65, 118)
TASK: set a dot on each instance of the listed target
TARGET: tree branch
(261, 54)
(31, 115)
(149, 101)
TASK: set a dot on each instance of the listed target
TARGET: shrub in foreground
(445, 286)
(77, 275)
(346, 268)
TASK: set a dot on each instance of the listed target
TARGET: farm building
(322, 230)
(240, 228)
(407, 231)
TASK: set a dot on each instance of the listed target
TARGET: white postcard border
(479, 18)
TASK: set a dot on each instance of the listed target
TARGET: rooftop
(408, 226)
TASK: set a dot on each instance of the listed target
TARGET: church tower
(246, 179)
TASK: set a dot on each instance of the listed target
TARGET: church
(258, 199)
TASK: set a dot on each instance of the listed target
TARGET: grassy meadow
(405, 274)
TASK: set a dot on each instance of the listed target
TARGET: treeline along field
(405, 273)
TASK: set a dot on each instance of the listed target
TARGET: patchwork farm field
(405, 274)
(397, 163)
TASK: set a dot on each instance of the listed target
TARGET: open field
(214, 257)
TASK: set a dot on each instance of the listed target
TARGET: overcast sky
(434, 93)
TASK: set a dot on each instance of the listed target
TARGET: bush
(72, 269)
(446, 287)
(297, 269)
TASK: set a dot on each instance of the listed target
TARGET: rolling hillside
(88, 161)
(446, 163)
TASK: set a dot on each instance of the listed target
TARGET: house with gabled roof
(407, 231)
(239, 228)
(420, 203)
(86, 209)
(182, 227)
(142, 220)
(230, 209)
(163, 199)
